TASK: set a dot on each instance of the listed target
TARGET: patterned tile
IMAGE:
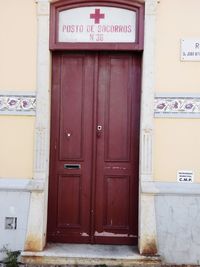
(17, 104)
(177, 106)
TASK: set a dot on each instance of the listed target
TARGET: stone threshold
(90, 255)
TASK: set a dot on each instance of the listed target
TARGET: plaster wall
(178, 228)
(177, 146)
(176, 141)
(18, 51)
(13, 239)
(18, 42)
(16, 142)
(176, 20)
(18, 24)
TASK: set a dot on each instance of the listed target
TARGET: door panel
(93, 190)
(69, 206)
(71, 153)
(117, 121)
(117, 150)
(117, 190)
(71, 107)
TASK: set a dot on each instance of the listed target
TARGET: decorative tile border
(177, 106)
(17, 103)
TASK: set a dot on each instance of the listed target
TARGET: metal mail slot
(72, 166)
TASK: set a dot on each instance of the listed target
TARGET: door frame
(37, 220)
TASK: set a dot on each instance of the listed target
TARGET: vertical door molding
(36, 230)
(147, 220)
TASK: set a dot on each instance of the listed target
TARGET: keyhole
(99, 127)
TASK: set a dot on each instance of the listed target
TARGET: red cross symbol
(97, 16)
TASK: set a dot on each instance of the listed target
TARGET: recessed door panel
(117, 121)
(116, 179)
(71, 108)
(116, 192)
(69, 206)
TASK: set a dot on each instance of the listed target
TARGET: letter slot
(72, 166)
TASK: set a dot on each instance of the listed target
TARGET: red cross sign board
(97, 25)
(97, 16)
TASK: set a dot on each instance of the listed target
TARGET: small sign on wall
(185, 176)
(190, 49)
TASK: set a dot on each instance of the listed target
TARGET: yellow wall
(177, 146)
(176, 141)
(18, 40)
(176, 19)
(18, 45)
(16, 143)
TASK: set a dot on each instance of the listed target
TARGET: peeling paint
(84, 234)
(115, 168)
(109, 234)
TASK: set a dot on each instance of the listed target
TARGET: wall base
(13, 204)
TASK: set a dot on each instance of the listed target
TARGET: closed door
(93, 188)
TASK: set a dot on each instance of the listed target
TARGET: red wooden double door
(93, 189)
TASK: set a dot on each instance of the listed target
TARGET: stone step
(89, 255)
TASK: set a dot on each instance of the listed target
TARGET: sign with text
(190, 50)
(97, 25)
(185, 176)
